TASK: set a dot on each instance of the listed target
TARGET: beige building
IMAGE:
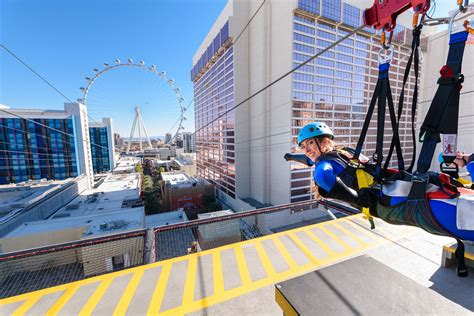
(185, 162)
(242, 152)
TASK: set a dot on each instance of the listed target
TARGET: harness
(356, 174)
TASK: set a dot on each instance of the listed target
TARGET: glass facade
(336, 88)
(211, 52)
(100, 154)
(213, 96)
(30, 151)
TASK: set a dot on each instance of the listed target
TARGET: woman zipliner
(449, 211)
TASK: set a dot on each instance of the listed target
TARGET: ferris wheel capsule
(152, 68)
(171, 81)
(117, 61)
(130, 61)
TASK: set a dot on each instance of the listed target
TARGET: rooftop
(126, 164)
(182, 161)
(215, 214)
(167, 218)
(18, 196)
(90, 226)
(109, 203)
(178, 179)
(107, 197)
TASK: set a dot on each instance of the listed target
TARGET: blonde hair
(326, 144)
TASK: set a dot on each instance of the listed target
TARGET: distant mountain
(151, 138)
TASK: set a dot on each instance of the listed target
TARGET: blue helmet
(440, 157)
(314, 129)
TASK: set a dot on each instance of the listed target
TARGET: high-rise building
(118, 141)
(168, 137)
(188, 142)
(242, 152)
(56, 147)
(102, 155)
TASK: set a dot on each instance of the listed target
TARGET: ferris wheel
(126, 86)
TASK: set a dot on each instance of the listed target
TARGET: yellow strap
(364, 180)
(464, 182)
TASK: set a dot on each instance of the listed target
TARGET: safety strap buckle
(451, 80)
(419, 182)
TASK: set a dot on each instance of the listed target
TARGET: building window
(311, 6)
(332, 9)
(351, 15)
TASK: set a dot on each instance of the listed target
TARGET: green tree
(208, 199)
(214, 206)
(147, 184)
(139, 168)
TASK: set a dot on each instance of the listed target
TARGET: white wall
(262, 54)
(81, 127)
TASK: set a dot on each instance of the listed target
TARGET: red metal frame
(383, 13)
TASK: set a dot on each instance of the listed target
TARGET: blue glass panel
(332, 9)
(309, 5)
(217, 43)
(225, 33)
(351, 15)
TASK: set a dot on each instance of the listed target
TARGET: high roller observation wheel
(161, 74)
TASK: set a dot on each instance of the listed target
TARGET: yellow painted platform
(190, 283)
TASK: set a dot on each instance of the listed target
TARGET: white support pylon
(138, 122)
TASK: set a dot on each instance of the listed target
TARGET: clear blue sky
(64, 40)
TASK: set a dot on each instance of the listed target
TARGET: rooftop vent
(74, 206)
(91, 199)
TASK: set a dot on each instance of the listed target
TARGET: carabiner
(382, 39)
(462, 9)
(388, 59)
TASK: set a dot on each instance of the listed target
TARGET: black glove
(365, 197)
(301, 158)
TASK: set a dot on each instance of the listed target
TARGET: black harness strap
(383, 95)
(414, 52)
(442, 117)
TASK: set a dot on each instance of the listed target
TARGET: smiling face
(310, 148)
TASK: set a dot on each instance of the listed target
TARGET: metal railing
(176, 240)
(38, 268)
